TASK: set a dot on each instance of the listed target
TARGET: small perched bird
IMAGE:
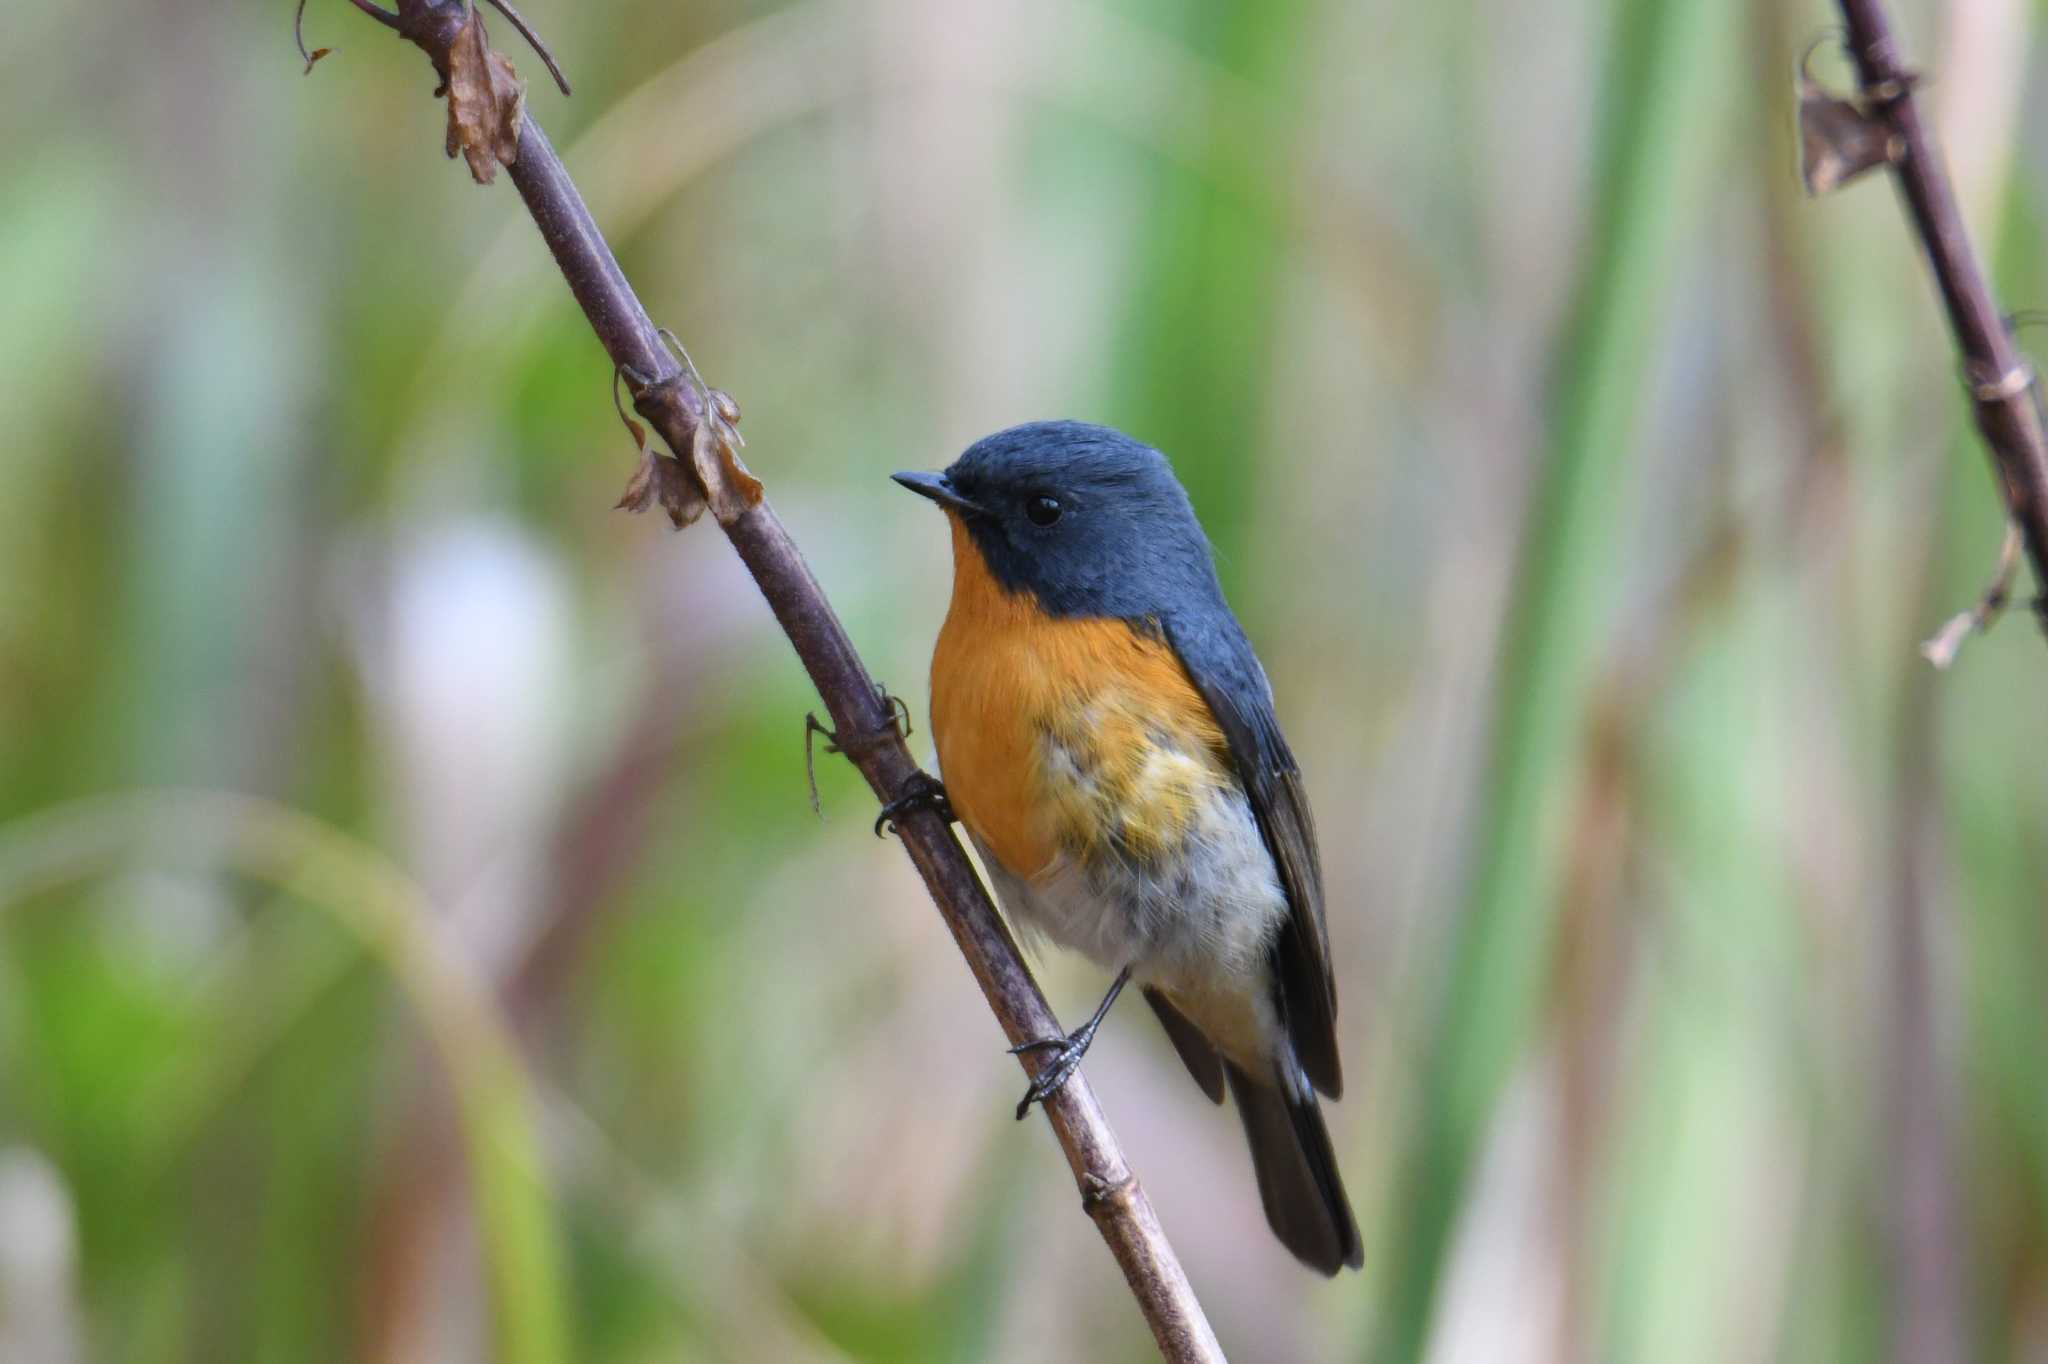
(1107, 737)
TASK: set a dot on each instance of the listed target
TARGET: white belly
(1198, 923)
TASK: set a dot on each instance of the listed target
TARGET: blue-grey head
(1082, 517)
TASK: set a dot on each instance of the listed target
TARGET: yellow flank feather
(1064, 736)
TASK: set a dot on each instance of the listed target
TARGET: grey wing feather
(1220, 662)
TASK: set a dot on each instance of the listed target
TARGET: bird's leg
(921, 792)
(1068, 1050)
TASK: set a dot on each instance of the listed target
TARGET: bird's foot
(1067, 1051)
(922, 792)
(1055, 1073)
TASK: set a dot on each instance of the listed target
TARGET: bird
(1108, 739)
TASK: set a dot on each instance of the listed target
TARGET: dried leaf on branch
(711, 476)
(663, 480)
(714, 451)
(1840, 137)
(486, 100)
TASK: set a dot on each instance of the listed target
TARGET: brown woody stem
(2001, 382)
(861, 712)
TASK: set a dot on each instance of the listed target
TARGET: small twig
(1942, 648)
(533, 41)
(382, 16)
(299, 37)
(682, 352)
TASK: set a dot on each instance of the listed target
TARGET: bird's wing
(1220, 662)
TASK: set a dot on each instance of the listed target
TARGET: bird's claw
(1067, 1050)
(922, 792)
(1054, 1074)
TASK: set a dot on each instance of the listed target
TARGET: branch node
(1892, 88)
(2005, 387)
(716, 400)
(1102, 1195)
(700, 424)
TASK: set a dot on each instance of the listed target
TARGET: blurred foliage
(415, 940)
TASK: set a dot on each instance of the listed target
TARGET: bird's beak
(938, 490)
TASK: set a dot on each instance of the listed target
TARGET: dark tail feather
(1297, 1170)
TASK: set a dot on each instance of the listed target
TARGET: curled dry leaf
(712, 476)
(485, 101)
(1839, 139)
(714, 450)
(664, 480)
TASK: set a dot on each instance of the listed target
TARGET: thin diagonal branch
(861, 713)
(2001, 382)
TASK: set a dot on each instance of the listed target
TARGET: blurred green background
(415, 939)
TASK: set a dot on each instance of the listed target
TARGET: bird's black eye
(1042, 510)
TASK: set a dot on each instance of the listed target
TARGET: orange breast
(1063, 735)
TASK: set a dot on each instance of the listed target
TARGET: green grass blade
(378, 904)
(1661, 77)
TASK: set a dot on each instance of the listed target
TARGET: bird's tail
(1297, 1169)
